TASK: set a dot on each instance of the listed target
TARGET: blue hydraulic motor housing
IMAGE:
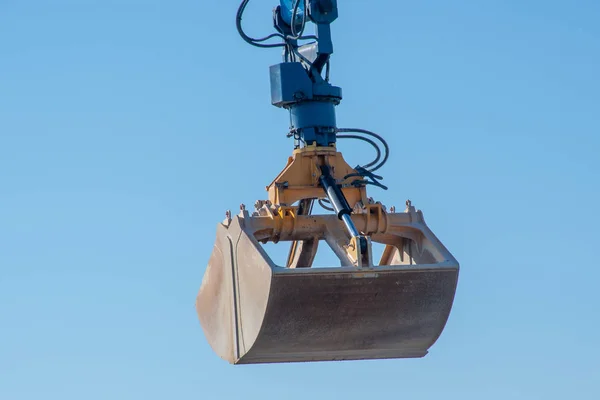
(287, 10)
(297, 83)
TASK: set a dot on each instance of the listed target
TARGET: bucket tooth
(253, 311)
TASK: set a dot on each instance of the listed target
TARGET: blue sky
(127, 128)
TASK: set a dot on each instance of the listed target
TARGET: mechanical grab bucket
(253, 311)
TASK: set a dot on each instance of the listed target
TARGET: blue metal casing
(313, 114)
(289, 84)
(311, 104)
(287, 10)
(323, 11)
(299, 86)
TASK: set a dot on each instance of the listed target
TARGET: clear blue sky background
(128, 127)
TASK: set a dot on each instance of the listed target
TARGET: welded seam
(237, 279)
(234, 279)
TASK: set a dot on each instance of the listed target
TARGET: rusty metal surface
(215, 300)
(338, 314)
(253, 311)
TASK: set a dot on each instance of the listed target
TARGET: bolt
(408, 203)
(393, 209)
(242, 207)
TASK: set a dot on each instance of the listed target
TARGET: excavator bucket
(253, 311)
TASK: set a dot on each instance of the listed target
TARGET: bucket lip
(447, 266)
(333, 356)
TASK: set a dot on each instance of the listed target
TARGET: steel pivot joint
(297, 83)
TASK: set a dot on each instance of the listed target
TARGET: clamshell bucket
(253, 311)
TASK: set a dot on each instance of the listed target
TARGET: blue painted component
(313, 114)
(287, 10)
(311, 102)
(324, 89)
(289, 84)
(298, 86)
(314, 121)
(323, 11)
(280, 25)
(325, 44)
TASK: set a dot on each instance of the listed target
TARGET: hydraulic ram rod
(340, 204)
